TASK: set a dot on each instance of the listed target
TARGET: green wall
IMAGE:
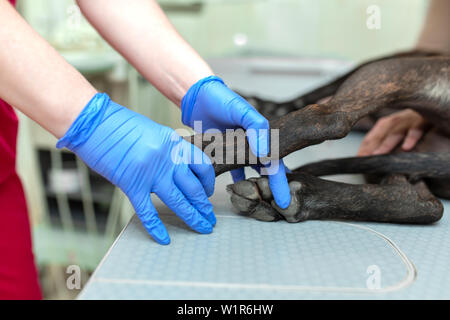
(294, 27)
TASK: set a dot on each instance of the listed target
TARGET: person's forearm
(435, 35)
(141, 32)
(35, 79)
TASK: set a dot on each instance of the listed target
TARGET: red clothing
(18, 274)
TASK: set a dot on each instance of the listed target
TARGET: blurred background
(76, 214)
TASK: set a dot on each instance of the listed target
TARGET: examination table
(248, 259)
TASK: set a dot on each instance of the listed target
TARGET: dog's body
(401, 183)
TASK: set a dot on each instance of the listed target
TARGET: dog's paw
(253, 198)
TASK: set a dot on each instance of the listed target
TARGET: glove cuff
(86, 122)
(188, 102)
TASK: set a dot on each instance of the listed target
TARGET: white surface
(248, 259)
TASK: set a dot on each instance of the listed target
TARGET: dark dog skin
(400, 183)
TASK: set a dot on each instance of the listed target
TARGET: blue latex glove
(217, 107)
(140, 157)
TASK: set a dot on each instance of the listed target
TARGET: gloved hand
(140, 157)
(217, 107)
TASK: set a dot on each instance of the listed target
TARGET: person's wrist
(190, 98)
(59, 122)
(85, 122)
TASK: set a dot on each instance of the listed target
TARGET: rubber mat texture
(248, 259)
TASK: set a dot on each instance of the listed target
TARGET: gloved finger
(150, 220)
(257, 127)
(194, 192)
(177, 202)
(257, 168)
(238, 174)
(278, 183)
(202, 167)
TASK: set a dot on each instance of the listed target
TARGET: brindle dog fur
(402, 187)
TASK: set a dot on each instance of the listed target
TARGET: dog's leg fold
(414, 165)
(394, 200)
